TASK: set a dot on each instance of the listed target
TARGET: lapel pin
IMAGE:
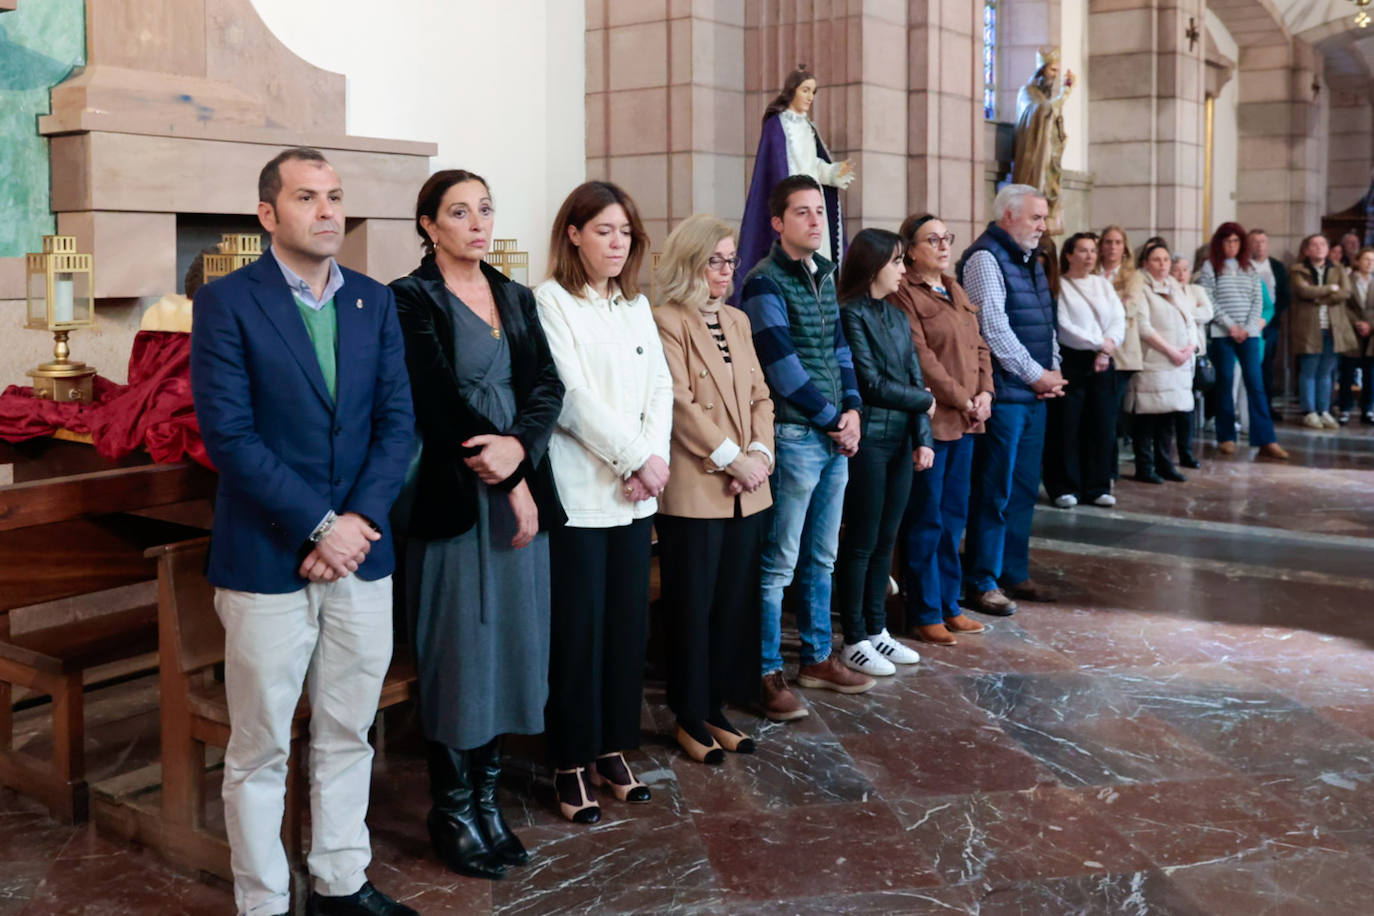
(360, 303)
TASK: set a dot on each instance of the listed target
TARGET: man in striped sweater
(790, 299)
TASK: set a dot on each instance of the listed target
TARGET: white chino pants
(339, 635)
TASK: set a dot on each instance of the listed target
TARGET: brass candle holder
(60, 291)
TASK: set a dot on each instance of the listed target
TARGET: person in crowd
(714, 513)
(1163, 388)
(1274, 275)
(1195, 297)
(609, 456)
(1080, 428)
(1362, 298)
(1336, 256)
(1323, 327)
(1117, 264)
(487, 398)
(299, 380)
(956, 364)
(789, 297)
(1350, 249)
(1233, 286)
(896, 434)
(1016, 315)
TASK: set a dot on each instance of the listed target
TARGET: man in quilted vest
(790, 299)
(1016, 312)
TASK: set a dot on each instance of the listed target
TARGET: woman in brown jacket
(713, 515)
(957, 367)
(1322, 325)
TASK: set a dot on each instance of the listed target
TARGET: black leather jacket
(445, 498)
(894, 392)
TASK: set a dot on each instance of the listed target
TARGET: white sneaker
(863, 658)
(1313, 421)
(892, 650)
(1067, 501)
(1106, 499)
(1329, 421)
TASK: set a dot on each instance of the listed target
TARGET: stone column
(1350, 154)
(1146, 93)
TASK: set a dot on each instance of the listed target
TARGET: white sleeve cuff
(760, 447)
(727, 452)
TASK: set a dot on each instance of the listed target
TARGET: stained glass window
(989, 59)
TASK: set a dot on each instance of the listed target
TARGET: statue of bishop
(1040, 132)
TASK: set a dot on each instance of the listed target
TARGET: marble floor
(1188, 730)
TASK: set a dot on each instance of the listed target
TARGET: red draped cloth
(154, 411)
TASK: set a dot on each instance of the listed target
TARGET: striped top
(1235, 295)
(712, 319)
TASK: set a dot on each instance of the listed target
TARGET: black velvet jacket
(890, 380)
(445, 503)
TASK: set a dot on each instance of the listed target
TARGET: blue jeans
(935, 520)
(1315, 371)
(808, 503)
(1006, 483)
(1225, 353)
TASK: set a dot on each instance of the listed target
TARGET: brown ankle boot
(961, 624)
(935, 633)
(831, 674)
(778, 702)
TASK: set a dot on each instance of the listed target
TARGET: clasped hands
(648, 481)
(342, 550)
(846, 437)
(979, 407)
(749, 471)
(1050, 384)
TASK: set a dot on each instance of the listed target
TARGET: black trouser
(874, 502)
(1123, 419)
(1152, 435)
(709, 570)
(1345, 396)
(599, 578)
(1080, 429)
(1183, 435)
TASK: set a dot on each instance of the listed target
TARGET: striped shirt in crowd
(1236, 297)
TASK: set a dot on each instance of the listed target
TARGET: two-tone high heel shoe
(701, 752)
(612, 770)
(576, 796)
(729, 737)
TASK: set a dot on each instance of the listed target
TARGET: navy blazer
(286, 452)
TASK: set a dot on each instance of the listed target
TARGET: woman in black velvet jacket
(896, 437)
(487, 396)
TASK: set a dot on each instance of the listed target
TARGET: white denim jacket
(617, 405)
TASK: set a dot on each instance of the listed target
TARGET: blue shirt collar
(302, 290)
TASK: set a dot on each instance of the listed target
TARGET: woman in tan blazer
(713, 514)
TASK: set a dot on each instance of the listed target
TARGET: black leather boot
(1143, 436)
(1183, 435)
(486, 772)
(454, 828)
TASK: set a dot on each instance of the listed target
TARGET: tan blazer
(711, 405)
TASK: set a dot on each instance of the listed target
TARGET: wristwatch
(324, 527)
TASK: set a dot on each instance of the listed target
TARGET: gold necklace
(491, 311)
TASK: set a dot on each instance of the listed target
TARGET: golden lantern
(61, 298)
(236, 249)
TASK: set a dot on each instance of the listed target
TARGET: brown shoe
(961, 624)
(1271, 452)
(935, 633)
(779, 703)
(994, 602)
(1030, 590)
(832, 675)
(1226, 448)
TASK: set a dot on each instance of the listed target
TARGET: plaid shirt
(988, 290)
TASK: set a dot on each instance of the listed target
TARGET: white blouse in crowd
(1090, 313)
(617, 404)
(802, 159)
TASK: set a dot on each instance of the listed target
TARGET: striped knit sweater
(1236, 297)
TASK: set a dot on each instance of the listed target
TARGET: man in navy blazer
(299, 379)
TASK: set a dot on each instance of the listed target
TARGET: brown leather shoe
(1227, 448)
(831, 674)
(779, 703)
(1271, 452)
(1030, 590)
(935, 633)
(961, 624)
(994, 602)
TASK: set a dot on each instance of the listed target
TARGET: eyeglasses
(934, 240)
(716, 262)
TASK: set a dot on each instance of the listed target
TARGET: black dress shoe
(367, 901)
(1188, 461)
(506, 847)
(1147, 477)
(1169, 472)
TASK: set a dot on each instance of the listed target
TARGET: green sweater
(323, 327)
